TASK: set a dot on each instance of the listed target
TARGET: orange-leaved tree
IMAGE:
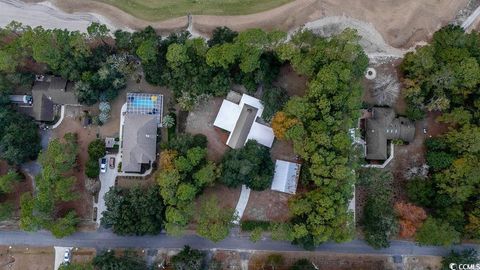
(410, 216)
(167, 158)
(281, 123)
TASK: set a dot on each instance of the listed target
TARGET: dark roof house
(139, 139)
(382, 127)
(46, 93)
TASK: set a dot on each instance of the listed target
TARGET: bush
(303, 264)
(256, 235)
(183, 142)
(414, 113)
(250, 165)
(96, 149)
(251, 225)
(421, 191)
(439, 160)
(437, 232)
(468, 256)
(92, 168)
(273, 99)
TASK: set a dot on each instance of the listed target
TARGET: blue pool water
(146, 103)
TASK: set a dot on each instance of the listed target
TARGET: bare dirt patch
(401, 24)
(83, 255)
(413, 155)
(386, 71)
(324, 261)
(200, 121)
(227, 197)
(294, 83)
(26, 258)
(72, 124)
(267, 205)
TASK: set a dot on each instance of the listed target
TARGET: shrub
(251, 225)
(437, 232)
(421, 191)
(92, 168)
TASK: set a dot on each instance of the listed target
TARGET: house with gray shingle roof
(381, 126)
(47, 93)
(142, 118)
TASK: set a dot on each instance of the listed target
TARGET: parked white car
(103, 165)
(66, 257)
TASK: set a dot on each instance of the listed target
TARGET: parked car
(103, 165)
(112, 163)
(66, 256)
(424, 130)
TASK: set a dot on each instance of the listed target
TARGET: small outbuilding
(285, 178)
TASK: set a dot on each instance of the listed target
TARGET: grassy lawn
(155, 10)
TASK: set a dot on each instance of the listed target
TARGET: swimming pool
(143, 103)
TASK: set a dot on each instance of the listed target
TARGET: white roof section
(262, 134)
(286, 176)
(254, 102)
(227, 115)
(228, 119)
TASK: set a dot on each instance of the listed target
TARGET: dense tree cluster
(134, 211)
(188, 259)
(184, 172)
(96, 150)
(53, 185)
(379, 219)
(445, 76)
(194, 69)
(99, 72)
(127, 261)
(303, 264)
(250, 165)
(213, 221)
(437, 232)
(467, 256)
(19, 139)
(318, 127)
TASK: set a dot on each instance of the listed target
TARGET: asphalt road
(106, 240)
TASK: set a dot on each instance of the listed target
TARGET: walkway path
(107, 240)
(62, 115)
(471, 19)
(242, 203)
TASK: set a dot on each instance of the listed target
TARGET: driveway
(107, 180)
(59, 255)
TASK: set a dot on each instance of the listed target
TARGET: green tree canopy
(467, 256)
(128, 261)
(133, 212)
(214, 222)
(250, 165)
(437, 232)
(188, 259)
